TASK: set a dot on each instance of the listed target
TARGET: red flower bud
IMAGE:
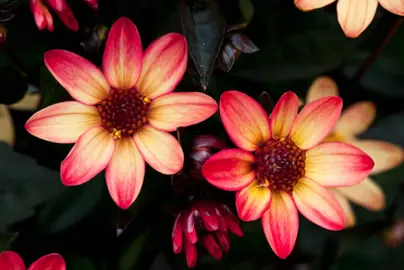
(207, 222)
(3, 33)
(203, 147)
(394, 236)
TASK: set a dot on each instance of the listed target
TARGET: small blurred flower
(207, 222)
(121, 116)
(235, 44)
(44, 19)
(203, 147)
(354, 16)
(354, 120)
(394, 236)
(10, 260)
(3, 33)
(287, 170)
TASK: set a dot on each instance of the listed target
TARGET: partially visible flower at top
(10, 260)
(121, 116)
(354, 120)
(208, 223)
(288, 168)
(235, 44)
(203, 147)
(43, 18)
(354, 16)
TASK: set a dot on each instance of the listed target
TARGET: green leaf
(385, 76)
(204, 26)
(131, 255)
(70, 207)
(52, 91)
(80, 263)
(247, 9)
(23, 185)
(296, 57)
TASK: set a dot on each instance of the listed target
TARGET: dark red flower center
(123, 112)
(280, 164)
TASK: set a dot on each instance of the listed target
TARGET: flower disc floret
(280, 164)
(123, 112)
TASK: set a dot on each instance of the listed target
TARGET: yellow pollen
(116, 134)
(146, 100)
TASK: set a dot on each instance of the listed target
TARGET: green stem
(373, 56)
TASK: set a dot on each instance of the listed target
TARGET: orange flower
(122, 116)
(9, 260)
(354, 120)
(354, 16)
(287, 169)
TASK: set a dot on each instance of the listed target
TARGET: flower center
(123, 112)
(280, 164)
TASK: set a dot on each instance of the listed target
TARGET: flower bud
(394, 236)
(3, 33)
(206, 222)
(203, 147)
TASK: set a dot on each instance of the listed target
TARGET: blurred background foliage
(281, 49)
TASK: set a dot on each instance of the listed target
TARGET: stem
(373, 56)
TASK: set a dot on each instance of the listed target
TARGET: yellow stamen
(116, 134)
(146, 100)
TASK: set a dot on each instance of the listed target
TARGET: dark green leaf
(204, 26)
(296, 57)
(385, 76)
(247, 9)
(52, 91)
(131, 255)
(23, 185)
(70, 207)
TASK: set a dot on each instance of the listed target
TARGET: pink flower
(121, 116)
(207, 222)
(44, 19)
(281, 167)
(9, 260)
(354, 16)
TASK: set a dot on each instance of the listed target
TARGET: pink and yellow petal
(284, 114)
(123, 55)
(168, 112)
(323, 86)
(245, 121)
(252, 201)
(355, 16)
(367, 194)
(230, 169)
(384, 154)
(335, 164)
(394, 6)
(89, 156)
(164, 65)
(356, 119)
(125, 173)
(281, 223)
(63, 122)
(315, 121)
(52, 261)
(318, 205)
(350, 218)
(160, 150)
(10, 260)
(82, 79)
(307, 5)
